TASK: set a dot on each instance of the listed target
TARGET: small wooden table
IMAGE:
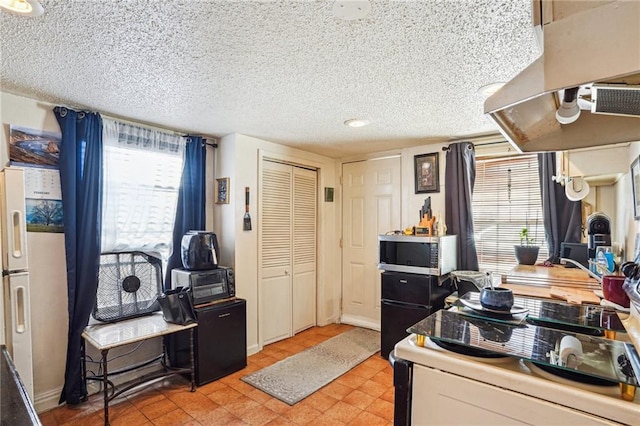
(108, 336)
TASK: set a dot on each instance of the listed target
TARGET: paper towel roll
(570, 352)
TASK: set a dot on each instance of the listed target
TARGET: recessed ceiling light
(22, 7)
(354, 122)
(490, 89)
(350, 10)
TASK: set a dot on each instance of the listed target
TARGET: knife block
(426, 226)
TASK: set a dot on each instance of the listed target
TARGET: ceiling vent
(615, 99)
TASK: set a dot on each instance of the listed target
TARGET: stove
(446, 387)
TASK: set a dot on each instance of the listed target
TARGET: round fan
(129, 284)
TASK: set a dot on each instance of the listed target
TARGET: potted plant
(527, 252)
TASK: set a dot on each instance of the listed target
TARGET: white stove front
(455, 389)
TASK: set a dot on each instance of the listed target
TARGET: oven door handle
(405, 305)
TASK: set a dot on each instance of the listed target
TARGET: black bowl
(496, 299)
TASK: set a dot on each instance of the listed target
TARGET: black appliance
(206, 286)
(575, 251)
(406, 300)
(199, 250)
(220, 346)
(599, 231)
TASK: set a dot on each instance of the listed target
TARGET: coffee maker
(599, 232)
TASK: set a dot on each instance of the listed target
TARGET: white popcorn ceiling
(284, 71)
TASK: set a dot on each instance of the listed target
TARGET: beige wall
(625, 226)
(239, 158)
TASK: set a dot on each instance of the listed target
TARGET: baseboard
(48, 400)
(253, 349)
(360, 322)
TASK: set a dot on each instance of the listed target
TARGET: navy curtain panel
(459, 178)
(562, 217)
(190, 212)
(81, 180)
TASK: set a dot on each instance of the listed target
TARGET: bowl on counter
(496, 298)
(612, 290)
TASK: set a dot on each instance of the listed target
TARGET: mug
(613, 291)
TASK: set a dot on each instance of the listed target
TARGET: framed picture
(427, 173)
(222, 191)
(635, 184)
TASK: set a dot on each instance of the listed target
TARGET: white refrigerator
(15, 313)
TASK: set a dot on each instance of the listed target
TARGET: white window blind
(142, 174)
(506, 198)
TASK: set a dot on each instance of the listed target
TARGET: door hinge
(340, 180)
(340, 242)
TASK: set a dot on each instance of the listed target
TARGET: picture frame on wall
(222, 191)
(427, 173)
(635, 185)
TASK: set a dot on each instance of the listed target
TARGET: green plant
(525, 239)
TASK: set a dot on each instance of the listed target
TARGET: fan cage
(117, 301)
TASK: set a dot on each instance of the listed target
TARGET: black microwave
(207, 286)
(417, 254)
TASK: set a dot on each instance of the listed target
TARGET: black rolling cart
(220, 341)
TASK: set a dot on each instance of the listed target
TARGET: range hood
(591, 45)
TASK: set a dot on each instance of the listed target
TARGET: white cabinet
(442, 398)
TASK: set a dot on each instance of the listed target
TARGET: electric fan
(129, 284)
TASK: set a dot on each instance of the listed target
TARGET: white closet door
(288, 226)
(304, 248)
(276, 228)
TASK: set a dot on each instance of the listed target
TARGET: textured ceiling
(284, 71)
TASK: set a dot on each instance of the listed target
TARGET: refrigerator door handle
(16, 230)
(19, 311)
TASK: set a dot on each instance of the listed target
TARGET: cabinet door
(221, 341)
(443, 398)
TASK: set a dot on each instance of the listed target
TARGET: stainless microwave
(418, 255)
(207, 286)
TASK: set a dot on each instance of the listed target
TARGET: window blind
(506, 198)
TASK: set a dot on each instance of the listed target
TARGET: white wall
(239, 158)
(625, 226)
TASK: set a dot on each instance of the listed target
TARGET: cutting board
(557, 276)
(571, 295)
(574, 296)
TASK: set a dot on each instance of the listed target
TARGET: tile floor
(363, 396)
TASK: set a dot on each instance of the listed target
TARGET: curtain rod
(133, 123)
(481, 141)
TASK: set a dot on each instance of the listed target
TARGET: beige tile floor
(363, 396)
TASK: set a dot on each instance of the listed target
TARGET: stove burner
(574, 376)
(466, 350)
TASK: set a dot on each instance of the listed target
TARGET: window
(506, 198)
(142, 174)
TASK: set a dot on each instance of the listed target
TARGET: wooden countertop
(570, 284)
(551, 276)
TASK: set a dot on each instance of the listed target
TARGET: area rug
(298, 376)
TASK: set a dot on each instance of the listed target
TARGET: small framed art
(635, 185)
(222, 191)
(427, 173)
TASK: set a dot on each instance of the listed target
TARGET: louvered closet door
(276, 226)
(304, 249)
(288, 285)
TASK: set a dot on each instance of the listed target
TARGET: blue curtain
(81, 180)
(459, 179)
(190, 212)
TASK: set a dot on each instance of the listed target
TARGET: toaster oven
(207, 286)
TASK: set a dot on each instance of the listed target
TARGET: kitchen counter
(17, 408)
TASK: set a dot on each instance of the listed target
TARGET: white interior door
(288, 248)
(370, 206)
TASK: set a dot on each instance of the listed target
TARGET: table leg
(105, 385)
(191, 359)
